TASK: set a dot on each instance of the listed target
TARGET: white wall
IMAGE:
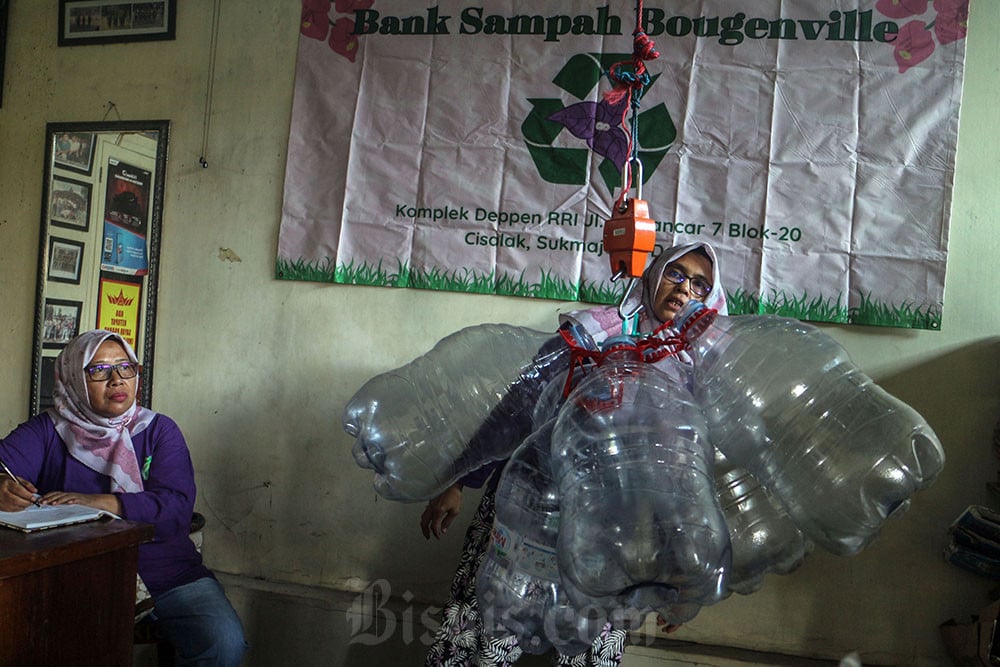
(256, 370)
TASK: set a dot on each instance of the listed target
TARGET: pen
(11, 475)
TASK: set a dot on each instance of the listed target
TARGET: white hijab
(102, 444)
(605, 321)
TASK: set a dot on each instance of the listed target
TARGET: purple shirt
(35, 452)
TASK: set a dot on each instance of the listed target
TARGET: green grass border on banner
(816, 309)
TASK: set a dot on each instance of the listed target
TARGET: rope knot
(643, 48)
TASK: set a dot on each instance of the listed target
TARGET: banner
(472, 147)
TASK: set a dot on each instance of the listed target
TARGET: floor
(310, 627)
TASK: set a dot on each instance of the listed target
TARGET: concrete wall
(256, 370)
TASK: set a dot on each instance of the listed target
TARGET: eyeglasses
(102, 372)
(699, 286)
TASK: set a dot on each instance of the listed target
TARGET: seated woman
(97, 447)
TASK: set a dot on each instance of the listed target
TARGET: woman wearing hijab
(98, 447)
(677, 275)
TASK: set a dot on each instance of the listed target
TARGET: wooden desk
(67, 595)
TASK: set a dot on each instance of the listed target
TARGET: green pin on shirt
(145, 467)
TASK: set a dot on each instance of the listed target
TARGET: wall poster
(467, 146)
(118, 301)
(126, 211)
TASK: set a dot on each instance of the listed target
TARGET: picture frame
(74, 151)
(4, 5)
(47, 383)
(65, 260)
(115, 21)
(60, 323)
(123, 298)
(69, 203)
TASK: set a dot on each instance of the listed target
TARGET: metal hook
(626, 171)
(625, 296)
(638, 183)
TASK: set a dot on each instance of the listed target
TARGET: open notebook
(49, 516)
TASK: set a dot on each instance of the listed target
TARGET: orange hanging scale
(630, 235)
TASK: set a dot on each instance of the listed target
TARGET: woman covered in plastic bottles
(679, 274)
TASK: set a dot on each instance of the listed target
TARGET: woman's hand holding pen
(17, 494)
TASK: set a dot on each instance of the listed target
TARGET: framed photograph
(4, 4)
(65, 260)
(46, 397)
(111, 21)
(69, 203)
(61, 322)
(74, 151)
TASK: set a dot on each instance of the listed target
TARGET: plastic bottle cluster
(646, 487)
(518, 584)
(642, 527)
(467, 402)
(784, 401)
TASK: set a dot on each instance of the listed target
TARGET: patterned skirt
(461, 641)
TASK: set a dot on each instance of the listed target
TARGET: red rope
(643, 48)
(649, 349)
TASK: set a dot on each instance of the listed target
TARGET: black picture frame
(4, 5)
(114, 21)
(65, 260)
(60, 323)
(74, 151)
(150, 138)
(69, 203)
(47, 383)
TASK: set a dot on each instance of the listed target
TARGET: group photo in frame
(69, 203)
(113, 21)
(47, 384)
(74, 151)
(61, 322)
(65, 260)
(4, 4)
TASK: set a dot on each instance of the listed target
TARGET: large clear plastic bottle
(518, 584)
(641, 527)
(784, 401)
(764, 538)
(466, 402)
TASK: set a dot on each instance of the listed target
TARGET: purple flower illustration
(599, 124)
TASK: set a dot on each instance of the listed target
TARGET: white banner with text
(473, 147)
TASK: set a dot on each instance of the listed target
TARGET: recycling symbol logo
(599, 124)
